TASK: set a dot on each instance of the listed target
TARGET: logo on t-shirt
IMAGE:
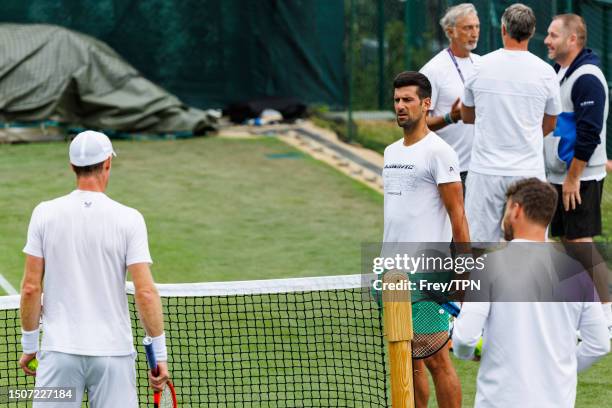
(399, 178)
(451, 169)
(87, 204)
(399, 166)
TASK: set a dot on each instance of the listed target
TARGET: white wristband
(29, 341)
(159, 347)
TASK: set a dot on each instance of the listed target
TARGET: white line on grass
(6, 285)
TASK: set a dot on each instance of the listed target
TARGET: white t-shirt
(87, 241)
(414, 211)
(530, 357)
(511, 91)
(529, 354)
(446, 87)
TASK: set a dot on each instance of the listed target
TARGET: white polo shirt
(511, 91)
(87, 241)
(446, 86)
(414, 211)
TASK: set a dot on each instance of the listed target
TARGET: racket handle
(451, 308)
(151, 360)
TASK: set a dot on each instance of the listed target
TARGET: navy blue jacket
(588, 97)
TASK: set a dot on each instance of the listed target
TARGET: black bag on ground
(289, 107)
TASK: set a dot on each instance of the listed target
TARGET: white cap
(89, 148)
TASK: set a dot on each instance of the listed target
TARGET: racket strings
(166, 400)
(426, 345)
(429, 336)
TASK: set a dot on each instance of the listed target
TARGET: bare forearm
(576, 168)
(436, 122)
(460, 226)
(453, 116)
(31, 292)
(30, 308)
(452, 197)
(548, 124)
(149, 307)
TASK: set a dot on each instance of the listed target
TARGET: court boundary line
(6, 285)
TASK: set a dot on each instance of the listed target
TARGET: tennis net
(303, 342)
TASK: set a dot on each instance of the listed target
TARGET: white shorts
(485, 200)
(109, 381)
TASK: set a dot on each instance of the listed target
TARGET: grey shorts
(485, 200)
(109, 381)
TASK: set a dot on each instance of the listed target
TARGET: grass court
(230, 209)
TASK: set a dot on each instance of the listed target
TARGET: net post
(397, 318)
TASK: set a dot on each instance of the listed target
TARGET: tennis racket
(167, 397)
(432, 319)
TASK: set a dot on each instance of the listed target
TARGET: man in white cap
(79, 247)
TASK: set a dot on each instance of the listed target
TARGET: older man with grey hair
(514, 99)
(447, 71)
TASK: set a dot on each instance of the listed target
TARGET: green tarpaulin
(47, 71)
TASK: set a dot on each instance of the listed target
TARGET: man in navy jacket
(575, 154)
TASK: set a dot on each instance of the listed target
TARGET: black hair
(414, 78)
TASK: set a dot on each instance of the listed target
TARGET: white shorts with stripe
(485, 200)
(109, 381)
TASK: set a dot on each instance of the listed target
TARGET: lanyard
(452, 56)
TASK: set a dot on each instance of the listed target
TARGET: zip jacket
(581, 127)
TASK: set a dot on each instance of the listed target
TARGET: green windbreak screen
(209, 52)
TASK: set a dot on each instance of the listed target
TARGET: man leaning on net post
(575, 152)
(529, 357)
(513, 100)
(447, 71)
(78, 249)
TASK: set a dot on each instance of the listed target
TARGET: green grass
(220, 209)
(375, 135)
(216, 209)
